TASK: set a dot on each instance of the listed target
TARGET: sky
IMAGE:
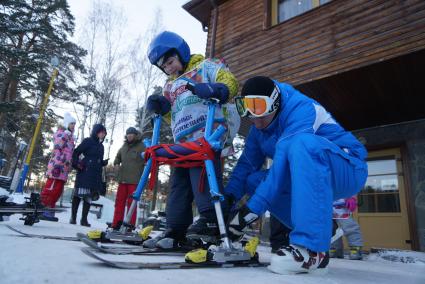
(140, 14)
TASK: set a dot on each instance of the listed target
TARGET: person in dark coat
(87, 159)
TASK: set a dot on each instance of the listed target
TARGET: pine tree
(31, 32)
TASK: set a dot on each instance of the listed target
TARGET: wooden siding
(336, 37)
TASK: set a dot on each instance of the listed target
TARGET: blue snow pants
(308, 173)
(184, 189)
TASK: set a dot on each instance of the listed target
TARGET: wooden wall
(336, 37)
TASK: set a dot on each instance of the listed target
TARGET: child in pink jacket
(59, 164)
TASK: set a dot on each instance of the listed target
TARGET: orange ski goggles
(255, 106)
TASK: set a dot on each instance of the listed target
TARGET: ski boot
(111, 235)
(168, 239)
(355, 253)
(48, 216)
(204, 229)
(336, 253)
(295, 259)
(221, 255)
(85, 223)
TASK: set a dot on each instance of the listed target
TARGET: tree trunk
(13, 87)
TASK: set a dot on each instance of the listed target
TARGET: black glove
(239, 222)
(105, 162)
(211, 90)
(158, 104)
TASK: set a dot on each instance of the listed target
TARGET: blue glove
(212, 90)
(158, 104)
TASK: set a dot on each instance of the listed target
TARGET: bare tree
(145, 76)
(102, 36)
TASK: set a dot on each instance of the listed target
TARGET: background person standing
(87, 159)
(59, 165)
(130, 166)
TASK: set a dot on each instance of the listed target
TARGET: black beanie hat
(131, 130)
(259, 86)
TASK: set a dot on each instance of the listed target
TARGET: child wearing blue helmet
(210, 78)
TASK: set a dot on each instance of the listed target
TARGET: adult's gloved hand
(158, 104)
(351, 204)
(211, 90)
(239, 221)
(105, 162)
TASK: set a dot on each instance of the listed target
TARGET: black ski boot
(86, 208)
(205, 229)
(85, 223)
(169, 239)
(74, 209)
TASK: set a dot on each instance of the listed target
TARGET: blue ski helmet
(166, 42)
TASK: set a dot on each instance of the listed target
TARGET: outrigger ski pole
(123, 233)
(226, 252)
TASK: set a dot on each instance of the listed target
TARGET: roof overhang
(201, 9)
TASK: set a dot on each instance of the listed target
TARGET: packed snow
(31, 260)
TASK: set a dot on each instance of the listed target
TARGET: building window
(282, 10)
(381, 192)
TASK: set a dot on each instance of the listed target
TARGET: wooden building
(363, 60)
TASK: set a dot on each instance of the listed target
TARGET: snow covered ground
(29, 260)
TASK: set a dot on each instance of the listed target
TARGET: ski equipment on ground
(172, 265)
(40, 236)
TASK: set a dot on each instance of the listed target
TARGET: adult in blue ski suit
(315, 161)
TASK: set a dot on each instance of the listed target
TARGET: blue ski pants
(308, 173)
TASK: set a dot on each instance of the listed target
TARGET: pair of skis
(94, 250)
(100, 247)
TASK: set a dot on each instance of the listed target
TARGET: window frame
(272, 12)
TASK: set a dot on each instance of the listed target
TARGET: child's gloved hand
(239, 222)
(212, 90)
(351, 204)
(158, 104)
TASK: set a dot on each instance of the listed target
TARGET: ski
(338, 234)
(130, 250)
(122, 250)
(171, 265)
(21, 209)
(40, 236)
